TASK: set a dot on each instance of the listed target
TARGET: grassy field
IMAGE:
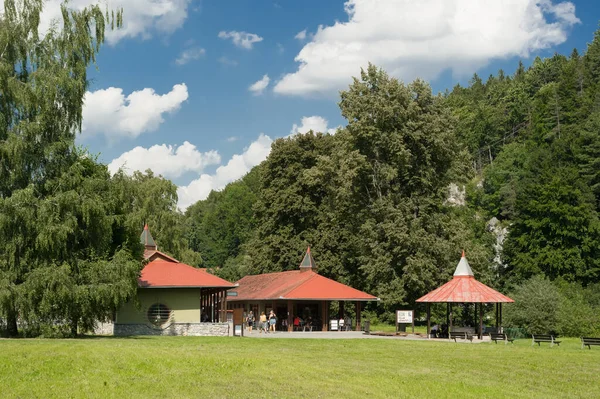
(285, 368)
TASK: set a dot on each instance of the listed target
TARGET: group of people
(265, 324)
(438, 331)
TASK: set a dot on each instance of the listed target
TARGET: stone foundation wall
(104, 328)
(185, 329)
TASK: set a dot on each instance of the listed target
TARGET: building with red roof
(463, 288)
(303, 293)
(174, 298)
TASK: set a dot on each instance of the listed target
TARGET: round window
(158, 314)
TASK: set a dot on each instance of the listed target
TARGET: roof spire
(463, 268)
(308, 263)
(146, 238)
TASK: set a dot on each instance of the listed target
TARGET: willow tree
(43, 81)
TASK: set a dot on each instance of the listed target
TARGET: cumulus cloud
(227, 61)
(169, 161)
(236, 167)
(423, 38)
(257, 88)
(241, 39)
(315, 123)
(113, 114)
(190, 54)
(142, 18)
(301, 35)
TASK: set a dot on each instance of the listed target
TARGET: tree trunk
(11, 323)
(74, 327)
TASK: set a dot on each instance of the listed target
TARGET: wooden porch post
(428, 321)
(341, 309)
(481, 320)
(224, 306)
(358, 311)
(290, 316)
(497, 318)
(325, 314)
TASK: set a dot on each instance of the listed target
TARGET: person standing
(250, 321)
(272, 321)
(263, 323)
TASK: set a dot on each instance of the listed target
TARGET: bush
(543, 307)
(536, 306)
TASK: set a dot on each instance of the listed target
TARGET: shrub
(536, 306)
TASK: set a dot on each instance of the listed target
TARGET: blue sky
(213, 109)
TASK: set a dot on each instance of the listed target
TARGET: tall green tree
(43, 80)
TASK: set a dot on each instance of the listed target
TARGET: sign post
(405, 317)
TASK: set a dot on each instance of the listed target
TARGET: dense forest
(507, 169)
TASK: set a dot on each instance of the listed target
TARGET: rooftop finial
(463, 268)
(308, 263)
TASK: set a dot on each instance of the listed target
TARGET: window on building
(158, 314)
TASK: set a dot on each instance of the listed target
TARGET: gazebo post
(497, 330)
(448, 315)
(428, 319)
(481, 320)
(500, 317)
(450, 323)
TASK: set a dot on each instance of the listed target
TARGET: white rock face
(456, 195)
(500, 233)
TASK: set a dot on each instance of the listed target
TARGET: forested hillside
(378, 202)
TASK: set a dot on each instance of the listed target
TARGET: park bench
(538, 339)
(589, 341)
(462, 335)
(501, 337)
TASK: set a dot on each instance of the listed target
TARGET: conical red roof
(464, 288)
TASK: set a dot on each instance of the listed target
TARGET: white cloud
(227, 61)
(236, 167)
(258, 87)
(232, 139)
(241, 39)
(301, 35)
(423, 38)
(315, 123)
(113, 114)
(190, 54)
(169, 161)
(141, 18)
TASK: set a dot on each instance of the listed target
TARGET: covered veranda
(302, 294)
(465, 289)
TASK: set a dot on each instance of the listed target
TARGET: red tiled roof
(295, 284)
(464, 289)
(162, 273)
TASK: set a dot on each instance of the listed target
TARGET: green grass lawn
(284, 368)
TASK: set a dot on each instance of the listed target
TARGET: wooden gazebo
(463, 288)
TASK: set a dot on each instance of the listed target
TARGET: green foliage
(536, 307)
(144, 198)
(218, 226)
(56, 226)
(542, 306)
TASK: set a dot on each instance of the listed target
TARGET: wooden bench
(589, 341)
(538, 339)
(462, 335)
(501, 337)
